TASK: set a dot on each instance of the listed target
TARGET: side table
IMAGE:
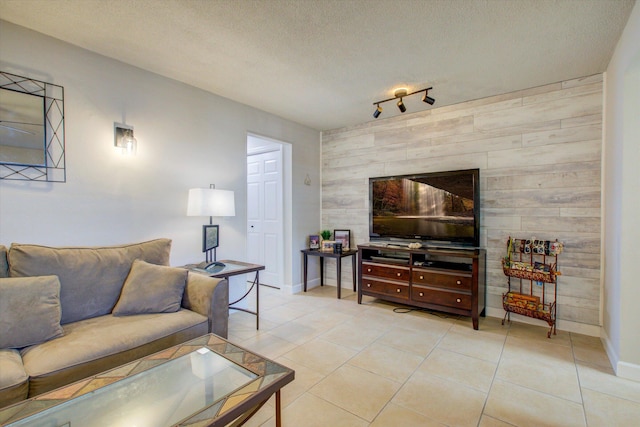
(338, 257)
(227, 268)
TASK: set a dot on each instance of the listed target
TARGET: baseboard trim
(313, 283)
(626, 370)
(629, 371)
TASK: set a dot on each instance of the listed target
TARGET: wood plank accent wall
(539, 153)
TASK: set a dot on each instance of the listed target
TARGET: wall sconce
(210, 202)
(123, 139)
(401, 93)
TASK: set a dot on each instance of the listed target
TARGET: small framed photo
(314, 241)
(344, 237)
(209, 237)
(327, 245)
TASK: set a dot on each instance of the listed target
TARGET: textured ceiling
(322, 63)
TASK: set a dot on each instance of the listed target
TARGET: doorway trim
(287, 208)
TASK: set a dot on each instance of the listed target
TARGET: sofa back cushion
(91, 278)
(4, 265)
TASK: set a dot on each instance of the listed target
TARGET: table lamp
(210, 202)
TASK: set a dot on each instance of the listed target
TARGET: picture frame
(209, 237)
(344, 237)
(327, 245)
(314, 241)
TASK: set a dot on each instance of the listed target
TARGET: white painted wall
(621, 316)
(186, 138)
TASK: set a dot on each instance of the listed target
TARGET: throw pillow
(151, 288)
(29, 310)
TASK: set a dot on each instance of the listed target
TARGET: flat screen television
(438, 208)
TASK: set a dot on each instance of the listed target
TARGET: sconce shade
(210, 202)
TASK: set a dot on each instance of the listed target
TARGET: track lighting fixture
(377, 112)
(401, 93)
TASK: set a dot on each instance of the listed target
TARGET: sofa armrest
(210, 297)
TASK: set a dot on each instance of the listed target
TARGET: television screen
(439, 207)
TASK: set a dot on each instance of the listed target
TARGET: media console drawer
(453, 280)
(397, 290)
(450, 299)
(386, 271)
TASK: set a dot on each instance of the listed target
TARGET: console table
(338, 257)
(227, 268)
(445, 279)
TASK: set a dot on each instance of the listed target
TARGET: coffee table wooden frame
(237, 406)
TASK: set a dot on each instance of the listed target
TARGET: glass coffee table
(204, 382)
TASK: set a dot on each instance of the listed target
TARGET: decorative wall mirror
(31, 129)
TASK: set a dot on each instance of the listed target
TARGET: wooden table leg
(353, 269)
(304, 268)
(278, 410)
(321, 271)
(339, 267)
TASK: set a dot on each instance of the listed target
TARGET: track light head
(426, 98)
(401, 106)
(377, 113)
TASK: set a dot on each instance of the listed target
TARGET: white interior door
(264, 214)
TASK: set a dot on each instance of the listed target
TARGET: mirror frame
(54, 168)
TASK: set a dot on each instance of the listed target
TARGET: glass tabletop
(207, 381)
(160, 396)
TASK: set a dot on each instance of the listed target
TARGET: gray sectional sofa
(68, 313)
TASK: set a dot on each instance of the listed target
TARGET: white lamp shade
(210, 202)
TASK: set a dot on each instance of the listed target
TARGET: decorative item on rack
(399, 94)
(210, 202)
(536, 261)
(124, 139)
(325, 234)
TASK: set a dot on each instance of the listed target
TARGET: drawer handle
(421, 277)
(368, 270)
(421, 294)
(368, 285)
(398, 274)
(458, 282)
(458, 300)
(398, 290)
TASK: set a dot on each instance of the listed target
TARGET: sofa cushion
(4, 265)
(29, 310)
(91, 278)
(151, 288)
(14, 381)
(100, 343)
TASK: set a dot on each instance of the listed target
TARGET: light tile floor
(366, 365)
